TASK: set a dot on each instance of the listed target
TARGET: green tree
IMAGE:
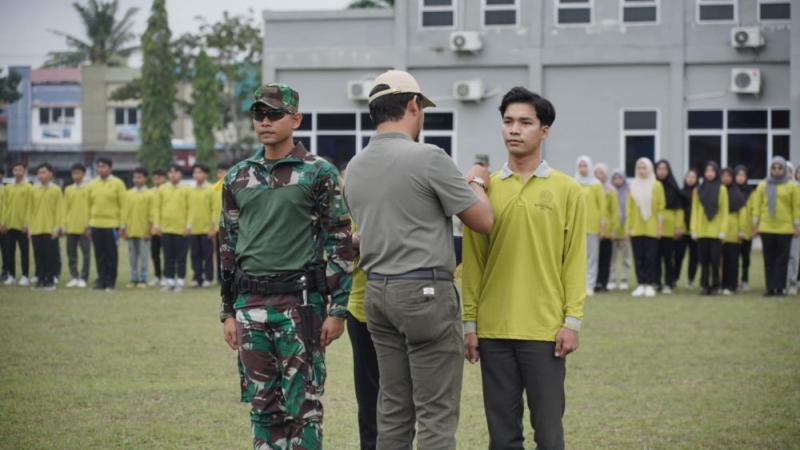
(107, 37)
(157, 91)
(8, 87)
(205, 108)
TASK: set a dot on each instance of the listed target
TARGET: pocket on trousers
(427, 315)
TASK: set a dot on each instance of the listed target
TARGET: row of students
(712, 220)
(167, 219)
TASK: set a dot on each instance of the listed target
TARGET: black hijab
(736, 198)
(674, 195)
(745, 188)
(708, 192)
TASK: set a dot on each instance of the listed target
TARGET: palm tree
(363, 4)
(108, 37)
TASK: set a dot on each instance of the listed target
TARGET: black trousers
(174, 256)
(709, 252)
(509, 367)
(730, 266)
(75, 241)
(667, 260)
(685, 246)
(645, 259)
(604, 263)
(3, 250)
(16, 238)
(45, 249)
(155, 254)
(776, 259)
(744, 248)
(105, 256)
(202, 263)
(365, 377)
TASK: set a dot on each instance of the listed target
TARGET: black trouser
(45, 249)
(745, 248)
(3, 250)
(709, 252)
(16, 238)
(604, 263)
(645, 259)
(776, 259)
(666, 262)
(155, 254)
(202, 264)
(105, 256)
(365, 377)
(730, 266)
(174, 256)
(75, 241)
(683, 246)
(509, 367)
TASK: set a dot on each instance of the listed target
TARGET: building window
(639, 137)
(126, 116)
(437, 13)
(716, 11)
(750, 137)
(574, 12)
(639, 12)
(59, 116)
(438, 130)
(500, 12)
(774, 10)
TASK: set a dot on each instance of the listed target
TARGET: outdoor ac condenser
(359, 89)
(746, 37)
(469, 90)
(745, 81)
(465, 41)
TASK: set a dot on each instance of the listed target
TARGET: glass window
(133, 116)
(306, 124)
(640, 11)
(749, 150)
(500, 12)
(338, 149)
(443, 142)
(427, 3)
(747, 119)
(44, 116)
(56, 114)
(703, 149)
(305, 140)
(571, 12)
(438, 121)
(640, 120)
(774, 10)
(366, 122)
(365, 141)
(708, 120)
(716, 11)
(780, 145)
(437, 13)
(638, 147)
(119, 116)
(336, 121)
(780, 119)
(69, 112)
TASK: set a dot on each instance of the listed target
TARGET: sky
(24, 39)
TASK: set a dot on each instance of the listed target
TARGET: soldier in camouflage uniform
(282, 212)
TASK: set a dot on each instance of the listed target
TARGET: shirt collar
(543, 171)
(298, 154)
(391, 135)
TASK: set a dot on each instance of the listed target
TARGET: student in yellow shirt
(672, 228)
(159, 178)
(746, 245)
(222, 169)
(621, 245)
(595, 219)
(709, 225)
(202, 227)
(137, 221)
(76, 226)
(737, 223)
(525, 283)
(611, 217)
(106, 201)
(45, 217)
(644, 225)
(687, 246)
(13, 222)
(172, 224)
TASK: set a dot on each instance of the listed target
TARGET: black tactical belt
(422, 274)
(287, 284)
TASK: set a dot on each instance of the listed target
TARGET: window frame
(767, 2)
(649, 3)
(423, 9)
(126, 116)
(733, 20)
(486, 7)
(624, 133)
(558, 6)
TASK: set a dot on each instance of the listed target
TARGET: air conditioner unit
(465, 41)
(745, 81)
(469, 91)
(746, 37)
(359, 89)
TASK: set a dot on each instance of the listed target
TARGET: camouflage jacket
(280, 216)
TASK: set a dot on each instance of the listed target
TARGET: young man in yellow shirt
(525, 283)
(137, 221)
(159, 178)
(202, 227)
(13, 222)
(172, 224)
(106, 201)
(76, 226)
(45, 217)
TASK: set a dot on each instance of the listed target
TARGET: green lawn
(142, 369)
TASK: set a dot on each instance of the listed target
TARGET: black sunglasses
(272, 114)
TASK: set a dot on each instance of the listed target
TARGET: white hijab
(642, 189)
(588, 179)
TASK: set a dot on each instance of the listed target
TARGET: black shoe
(769, 293)
(98, 286)
(705, 291)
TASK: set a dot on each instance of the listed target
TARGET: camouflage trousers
(280, 378)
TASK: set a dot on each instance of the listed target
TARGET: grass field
(142, 369)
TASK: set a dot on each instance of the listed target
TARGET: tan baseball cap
(398, 82)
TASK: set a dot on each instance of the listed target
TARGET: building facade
(685, 80)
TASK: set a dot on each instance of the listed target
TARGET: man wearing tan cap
(402, 195)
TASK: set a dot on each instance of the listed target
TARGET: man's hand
(479, 171)
(88, 232)
(755, 230)
(471, 347)
(123, 234)
(211, 232)
(187, 231)
(678, 235)
(55, 235)
(3, 229)
(566, 342)
(659, 230)
(797, 230)
(332, 329)
(229, 332)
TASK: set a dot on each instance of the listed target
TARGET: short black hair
(390, 107)
(175, 167)
(161, 172)
(17, 164)
(223, 165)
(140, 170)
(44, 166)
(544, 109)
(202, 167)
(106, 161)
(78, 166)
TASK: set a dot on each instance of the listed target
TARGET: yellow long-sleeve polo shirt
(672, 222)
(76, 208)
(611, 215)
(527, 278)
(45, 215)
(787, 209)
(137, 217)
(173, 208)
(201, 209)
(635, 225)
(595, 206)
(715, 228)
(737, 225)
(106, 201)
(16, 202)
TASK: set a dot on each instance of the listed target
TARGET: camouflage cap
(277, 96)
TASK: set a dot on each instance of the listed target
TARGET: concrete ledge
(326, 15)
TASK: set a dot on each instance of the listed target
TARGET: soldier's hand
(566, 342)
(471, 347)
(229, 331)
(332, 329)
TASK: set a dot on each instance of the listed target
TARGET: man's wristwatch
(479, 181)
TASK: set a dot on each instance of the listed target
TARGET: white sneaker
(194, 284)
(649, 291)
(55, 280)
(727, 292)
(9, 281)
(72, 283)
(24, 281)
(81, 283)
(611, 286)
(639, 291)
(154, 282)
(206, 284)
(590, 292)
(793, 290)
(167, 285)
(689, 285)
(178, 286)
(745, 287)
(666, 290)
(623, 286)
